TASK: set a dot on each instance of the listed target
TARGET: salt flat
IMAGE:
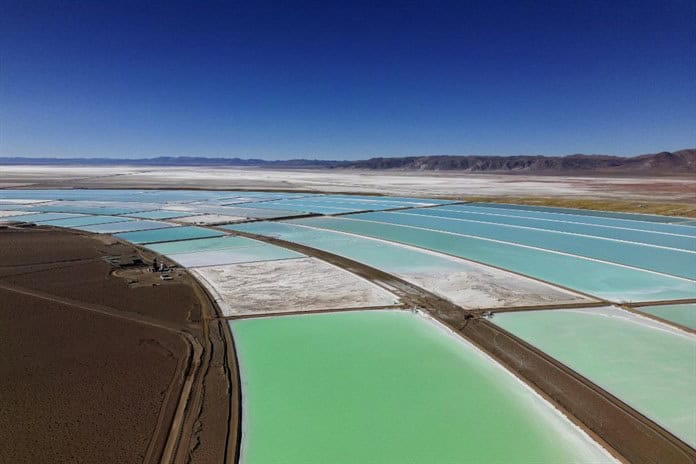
(304, 284)
(449, 184)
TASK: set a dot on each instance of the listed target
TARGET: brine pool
(683, 314)
(388, 387)
(607, 280)
(649, 365)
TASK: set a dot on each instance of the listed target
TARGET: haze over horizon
(349, 81)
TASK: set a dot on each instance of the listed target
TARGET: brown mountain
(682, 162)
(679, 162)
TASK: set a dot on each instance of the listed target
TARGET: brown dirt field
(166, 301)
(79, 386)
(94, 358)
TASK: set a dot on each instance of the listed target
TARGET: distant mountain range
(678, 162)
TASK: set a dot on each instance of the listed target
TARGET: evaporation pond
(170, 234)
(684, 314)
(250, 254)
(649, 365)
(205, 244)
(85, 221)
(388, 387)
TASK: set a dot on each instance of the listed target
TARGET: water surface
(647, 364)
(388, 387)
(683, 314)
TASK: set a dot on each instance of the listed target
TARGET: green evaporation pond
(683, 314)
(606, 280)
(648, 365)
(169, 234)
(388, 387)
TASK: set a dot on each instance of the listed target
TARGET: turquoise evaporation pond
(410, 200)
(249, 254)
(683, 314)
(170, 234)
(388, 387)
(670, 261)
(639, 236)
(160, 214)
(357, 205)
(586, 212)
(38, 217)
(330, 204)
(126, 225)
(304, 207)
(647, 364)
(253, 212)
(84, 221)
(388, 257)
(609, 281)
(88, 210)
(203, 244)
(586, 218)
(260, 213)
(15, 207)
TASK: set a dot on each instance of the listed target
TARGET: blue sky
(345, 79)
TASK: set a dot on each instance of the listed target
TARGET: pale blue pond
(342, 204)
(249, 254)
(583, 218)
(84, 221)
(40, 217)
(606, 280)
(160, 214)
(670, 261)
(467, 284)
(638, 236)
(242, 211)
(585, 212)
(126, 225)
(300, 207)
(403, 200)
(15, 207)
(203, 244)
(170, 234)
(388, 257)
(253, 212)
(684, 314)
(96, 210)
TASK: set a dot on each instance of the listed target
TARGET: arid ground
(103, 361)
(660, 195)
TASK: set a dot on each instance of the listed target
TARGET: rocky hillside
(682, 162)
(679, 162)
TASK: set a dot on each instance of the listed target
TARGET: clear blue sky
(346, 79)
